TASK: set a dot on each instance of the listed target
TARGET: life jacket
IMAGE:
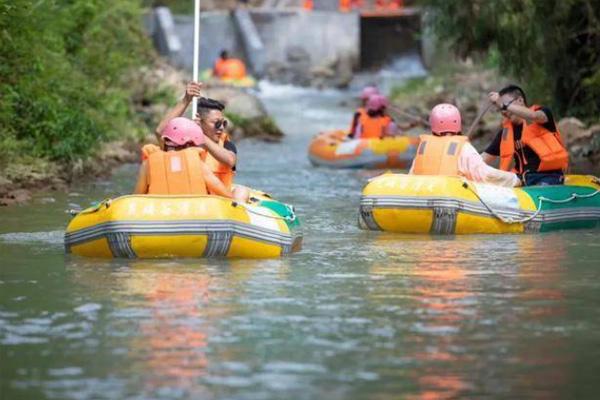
(233, 68)
(219, 67)
(547, 145)
(174, 172)
(308, 4)
(373, 127)
(438, 155)
(221, 170)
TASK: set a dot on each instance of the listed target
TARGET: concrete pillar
(252, 43)
(164, 35)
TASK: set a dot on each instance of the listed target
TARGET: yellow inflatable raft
(245, 82)
(452, 205)
(151, 226)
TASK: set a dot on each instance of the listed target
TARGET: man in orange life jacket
(530, 138)
(219, 66)
(176, 167)
(367, 92)
(221, 153)
(447, 152)
(375, 123)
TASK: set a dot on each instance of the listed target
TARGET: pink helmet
(182, 130)
(368, 91)
(377, 102)
(445, 118)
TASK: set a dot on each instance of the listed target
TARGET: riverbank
(467, 86)
(154, 89)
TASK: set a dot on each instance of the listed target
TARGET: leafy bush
(63, 75)
(551, 46)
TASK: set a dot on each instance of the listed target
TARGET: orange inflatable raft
(334, 149)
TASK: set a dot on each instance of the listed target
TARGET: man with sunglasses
(221, 153)
(529, 138)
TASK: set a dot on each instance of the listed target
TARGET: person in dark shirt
(210, 117)
(533, 163)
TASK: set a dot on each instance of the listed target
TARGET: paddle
(417, 118)
(477, 119)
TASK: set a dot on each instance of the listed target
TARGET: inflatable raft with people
(334, 149)
(453, 205)
(152, 226)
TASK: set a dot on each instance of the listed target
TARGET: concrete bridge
(272, 35)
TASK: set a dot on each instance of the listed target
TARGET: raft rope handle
(541, 199)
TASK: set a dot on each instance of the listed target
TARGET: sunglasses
(222, 123)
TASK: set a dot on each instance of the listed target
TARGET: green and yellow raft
(452, 205)
(148, 226)
(245, 82)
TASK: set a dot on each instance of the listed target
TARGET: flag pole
(196, 52)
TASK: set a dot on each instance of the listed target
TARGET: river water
(354, 315)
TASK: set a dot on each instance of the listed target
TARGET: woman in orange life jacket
(221, 153)
(375, 123)
(176, 168)
(446, 152)
(367, 92)
(530, 138)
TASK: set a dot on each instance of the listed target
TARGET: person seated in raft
(530, 138)
(446, 152)
(221, 153)
(176, 168)
(226, 67)
(219, 65)
(367, 92)
(375, 123)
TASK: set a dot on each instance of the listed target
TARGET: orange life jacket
(373, 127)
(547, 145)
(233, 68)
(438, 155)
(222, 171)
(174, 172)
(219, 67)
(308, 4)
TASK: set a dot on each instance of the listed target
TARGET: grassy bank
(71, 81)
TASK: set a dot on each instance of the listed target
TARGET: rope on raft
(541, 200)
(289, 218)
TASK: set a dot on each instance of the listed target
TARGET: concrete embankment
(292, 46)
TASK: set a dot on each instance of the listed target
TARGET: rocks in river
(247, 114)
(299, 70)
(17, 196)
(582, 141)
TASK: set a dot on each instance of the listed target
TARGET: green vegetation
(67, 77)
(552, 47)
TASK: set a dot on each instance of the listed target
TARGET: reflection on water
(355, 314)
